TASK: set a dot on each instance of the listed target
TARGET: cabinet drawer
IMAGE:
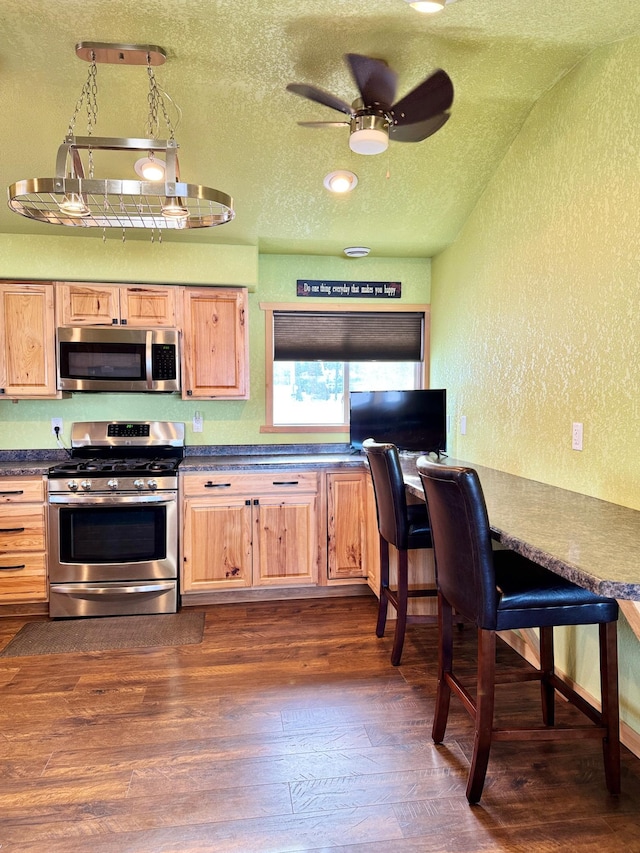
(251, 485)
(21, 490)
(23, 577)
(21, 528)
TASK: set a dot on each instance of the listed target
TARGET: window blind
(348, 336)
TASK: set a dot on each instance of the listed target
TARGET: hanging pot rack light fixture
(76, 198)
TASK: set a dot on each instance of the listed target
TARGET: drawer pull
(16, 492)
(12, 568)
(11, 529)
(211, 485)
(285, 482)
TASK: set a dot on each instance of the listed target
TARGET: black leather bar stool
(501, 590)
(406, 526)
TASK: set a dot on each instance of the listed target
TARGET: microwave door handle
(149, 359)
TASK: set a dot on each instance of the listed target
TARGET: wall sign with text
(356, 289)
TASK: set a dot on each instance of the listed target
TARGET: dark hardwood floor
(287, 729)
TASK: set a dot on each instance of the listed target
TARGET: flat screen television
(412, 420)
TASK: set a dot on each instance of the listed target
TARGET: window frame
(270, 307)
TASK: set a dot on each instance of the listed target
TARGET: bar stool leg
(610, 707)
(445, 668)
(484, 713)
(547, 665)
(403, 599)
(384, 586)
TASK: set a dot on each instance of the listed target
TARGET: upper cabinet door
(27, 340)
(215, 344)
(84, 304)
(148, 307)
(87, 304)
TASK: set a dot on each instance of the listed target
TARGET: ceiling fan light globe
(369, 141)
(428, 7)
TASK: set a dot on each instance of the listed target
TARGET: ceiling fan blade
(418, 131)
(375, 80)
(314, 94)
(434, 95)
(323, 123)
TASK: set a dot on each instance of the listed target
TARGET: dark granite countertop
(592, 542)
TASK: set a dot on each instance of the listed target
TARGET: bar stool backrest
(461, 540)
(389, 490)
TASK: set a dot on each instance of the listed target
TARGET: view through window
(317, 392)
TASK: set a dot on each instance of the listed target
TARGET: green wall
(271, 278)
(535, 309)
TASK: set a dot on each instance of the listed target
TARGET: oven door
(106, 538)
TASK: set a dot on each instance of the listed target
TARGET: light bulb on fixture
(175, 208)
(74, 205)
(341, 181)
(428, 7)
(150, 169)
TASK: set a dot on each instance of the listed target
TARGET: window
(316, 355)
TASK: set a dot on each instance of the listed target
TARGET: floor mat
(112, 632)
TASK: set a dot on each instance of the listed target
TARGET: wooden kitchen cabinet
(27, 341)
(352, 538)
(247, 530)
(92, 304)
(215, 360)
(23, 565)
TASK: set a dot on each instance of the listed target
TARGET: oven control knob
(72, 486)
(113, 484)
(152, 484)
(85, 485)
(138, 484)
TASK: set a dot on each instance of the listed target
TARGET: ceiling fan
(374, 118)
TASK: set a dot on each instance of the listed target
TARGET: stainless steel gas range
(113, 520)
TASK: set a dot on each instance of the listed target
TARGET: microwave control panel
(163, 361)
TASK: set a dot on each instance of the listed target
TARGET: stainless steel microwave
(108, 359)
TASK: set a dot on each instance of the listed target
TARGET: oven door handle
(129, 589)
(93, 499)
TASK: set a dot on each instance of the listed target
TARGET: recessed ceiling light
(341, 181)
(356, 251)
(150, 169)
(429, 7)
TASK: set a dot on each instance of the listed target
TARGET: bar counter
(591, 542)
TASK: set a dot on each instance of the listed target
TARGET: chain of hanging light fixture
(76, 198)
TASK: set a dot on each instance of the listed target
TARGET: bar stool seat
(406, 527)
(501, 590)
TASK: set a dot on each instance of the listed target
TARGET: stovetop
(114, 465)
(120, 456)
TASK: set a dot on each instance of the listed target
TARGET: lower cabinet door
(217, 545)
(285, 541)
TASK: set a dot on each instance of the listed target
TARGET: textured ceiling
(227, 68)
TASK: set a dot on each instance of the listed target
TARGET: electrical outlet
(463, 424)
(197, 422)
(576, 437)
(56, 426)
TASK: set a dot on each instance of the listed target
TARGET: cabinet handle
(12, 568)
(16, 492)
(256, 502)
(285, 482)
(247, 502)
(11, 529)
(210, 485)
